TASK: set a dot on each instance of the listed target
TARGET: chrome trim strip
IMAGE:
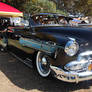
(71, 76)
(41, 45)
(47, 25)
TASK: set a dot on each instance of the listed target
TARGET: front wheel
(43, 64)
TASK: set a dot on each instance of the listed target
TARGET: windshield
(48, 20)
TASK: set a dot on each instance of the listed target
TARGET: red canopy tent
(9, 11)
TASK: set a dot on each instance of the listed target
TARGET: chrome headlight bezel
(81, 64)
(76, 66)
(71, 48)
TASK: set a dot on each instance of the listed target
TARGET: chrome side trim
(71, 76)
(38, 45)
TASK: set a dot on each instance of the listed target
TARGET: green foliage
(76, 6)
(84, 6)
(61, 12)
(40, 6)
(46, 6)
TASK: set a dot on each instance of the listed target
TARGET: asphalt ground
(17, 77)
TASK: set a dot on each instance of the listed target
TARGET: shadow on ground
(26, 78)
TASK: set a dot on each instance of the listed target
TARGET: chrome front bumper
(71, 76)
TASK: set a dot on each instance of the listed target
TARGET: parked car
(58, 49)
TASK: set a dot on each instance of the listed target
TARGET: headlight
(71, 48)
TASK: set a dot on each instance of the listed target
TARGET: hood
(82, 35)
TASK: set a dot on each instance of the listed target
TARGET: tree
(84, 7)
(39, 6)
(76, 6)
(36, 6)
(65, 5)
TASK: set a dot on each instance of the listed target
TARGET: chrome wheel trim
(42, 69)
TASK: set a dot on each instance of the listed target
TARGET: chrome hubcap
(44, 64)
(44, 61)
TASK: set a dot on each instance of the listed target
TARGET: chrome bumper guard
(71, 76)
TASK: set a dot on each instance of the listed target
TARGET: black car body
(60, 49)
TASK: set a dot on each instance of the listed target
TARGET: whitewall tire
(43, 64)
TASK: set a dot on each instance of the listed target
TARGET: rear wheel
(43, 64)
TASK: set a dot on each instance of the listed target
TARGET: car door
(14, 44)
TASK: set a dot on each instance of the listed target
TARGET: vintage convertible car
(53, 46)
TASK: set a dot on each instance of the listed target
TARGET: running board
(27, 61)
